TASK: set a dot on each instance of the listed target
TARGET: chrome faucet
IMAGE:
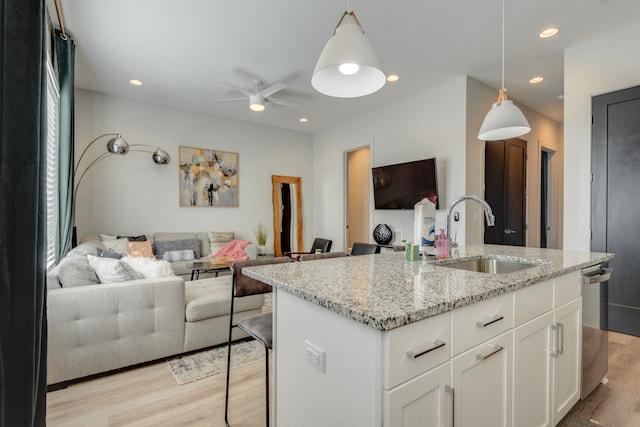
(488, 213)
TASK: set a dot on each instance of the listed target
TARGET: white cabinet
(415, 374)
(481, 379)
(425, 401)
(547, 352)
(510, 360)
(567, 362)
(532, 372)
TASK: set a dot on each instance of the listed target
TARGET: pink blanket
(233, 251)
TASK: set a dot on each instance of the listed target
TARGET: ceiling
(180, 50)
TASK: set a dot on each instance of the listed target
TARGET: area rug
(195, 366)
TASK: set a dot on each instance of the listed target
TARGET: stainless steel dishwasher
(594, 326)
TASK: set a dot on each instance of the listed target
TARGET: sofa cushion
(162, 246)
(74, 270)
(88, 247)
(211, 297)
(111, 270)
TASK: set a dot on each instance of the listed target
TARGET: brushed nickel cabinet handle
(489, 321)
(436, 345)
(561, 338)
(555, 352)
(450, 389)
(496, 349)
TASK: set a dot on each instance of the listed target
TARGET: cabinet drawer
(415, 348)
(532, 301)
(475, 323)
(567, 288)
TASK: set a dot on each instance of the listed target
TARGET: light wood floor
(616, 403)
(149, 396)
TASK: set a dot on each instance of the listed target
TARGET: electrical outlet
(314, 356)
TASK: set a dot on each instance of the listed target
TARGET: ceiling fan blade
(234, 87)
(231, 99)
(271, 89)
(282, 102)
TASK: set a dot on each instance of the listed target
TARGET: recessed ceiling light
(548, 32)
(135, 82)
(536, 79)
(392, 78)
(303, 120)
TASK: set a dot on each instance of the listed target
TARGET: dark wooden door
(505, 191)
(615, 201)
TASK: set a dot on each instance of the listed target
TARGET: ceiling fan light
(348, 45)
(503, 121)
(256, 103)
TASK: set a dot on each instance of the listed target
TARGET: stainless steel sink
(490, 265)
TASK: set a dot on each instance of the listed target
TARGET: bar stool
(258, 326)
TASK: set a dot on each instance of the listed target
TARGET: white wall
(442, 122)
(428, 124)
(603, 65)
(132, 195)
(545, 133)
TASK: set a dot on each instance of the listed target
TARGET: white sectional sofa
(99, 327)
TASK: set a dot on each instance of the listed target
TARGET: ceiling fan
(259, 97)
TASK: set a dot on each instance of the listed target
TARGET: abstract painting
(208, 177)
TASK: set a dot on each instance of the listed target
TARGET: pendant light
(504, 120)
(348, 66)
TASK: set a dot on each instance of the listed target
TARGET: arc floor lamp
(115, 146)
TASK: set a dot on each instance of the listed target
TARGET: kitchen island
(377, 340)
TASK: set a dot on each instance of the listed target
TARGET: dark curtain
(65, 51)
(22, 214)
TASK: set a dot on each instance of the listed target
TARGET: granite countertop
(385, 292)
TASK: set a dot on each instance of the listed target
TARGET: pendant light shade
(348, 66)
(504, 120)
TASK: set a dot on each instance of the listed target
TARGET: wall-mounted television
(402, 185)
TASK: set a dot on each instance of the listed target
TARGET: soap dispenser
(442, 245)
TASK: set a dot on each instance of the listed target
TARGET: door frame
(369, 210)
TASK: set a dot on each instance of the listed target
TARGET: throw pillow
(186, 255)
(119, 245)
(217, 239)
(111, 270)
(109, 253)
(141, 249)
(107, 237)
(148, 267)
(141, 238)
(162, 246)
